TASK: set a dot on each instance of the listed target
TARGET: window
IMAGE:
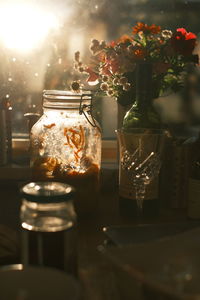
(38, 42)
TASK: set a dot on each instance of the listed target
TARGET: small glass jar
(66, 146)
(48, 223)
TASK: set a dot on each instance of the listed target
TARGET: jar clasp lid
(86, 109)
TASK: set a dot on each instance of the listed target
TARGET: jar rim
(47, 192)
(65, 98)
(67, 93)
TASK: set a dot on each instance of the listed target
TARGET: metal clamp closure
(86, 109)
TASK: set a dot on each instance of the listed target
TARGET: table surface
(95, 274)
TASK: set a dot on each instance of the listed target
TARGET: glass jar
(66, 146)
(48, 222)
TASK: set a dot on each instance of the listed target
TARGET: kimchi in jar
(66, 146)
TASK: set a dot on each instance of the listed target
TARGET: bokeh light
(23, 27)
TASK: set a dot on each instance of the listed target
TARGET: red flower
(93, 77)
(124, 39)
(183, 42)
(154, 29)
(112, 66)
(106, 70)
(146, 29)
(139, 53)
(112, 44)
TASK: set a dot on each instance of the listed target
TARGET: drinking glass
(140, 159)
(142, 172)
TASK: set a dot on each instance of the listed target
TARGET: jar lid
(61, 99)
(55, 93)
(47, 192)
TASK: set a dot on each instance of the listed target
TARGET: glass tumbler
(48, 224)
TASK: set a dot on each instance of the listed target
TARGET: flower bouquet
(137, 68)
(113, 65)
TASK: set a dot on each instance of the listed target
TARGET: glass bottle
(142, 114)
(141, 118)
(66, 146)
(48, 225)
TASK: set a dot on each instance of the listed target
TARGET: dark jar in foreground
(66, 146)
(48, 225)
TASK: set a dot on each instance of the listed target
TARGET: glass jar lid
(47, 192)
(65, 99)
